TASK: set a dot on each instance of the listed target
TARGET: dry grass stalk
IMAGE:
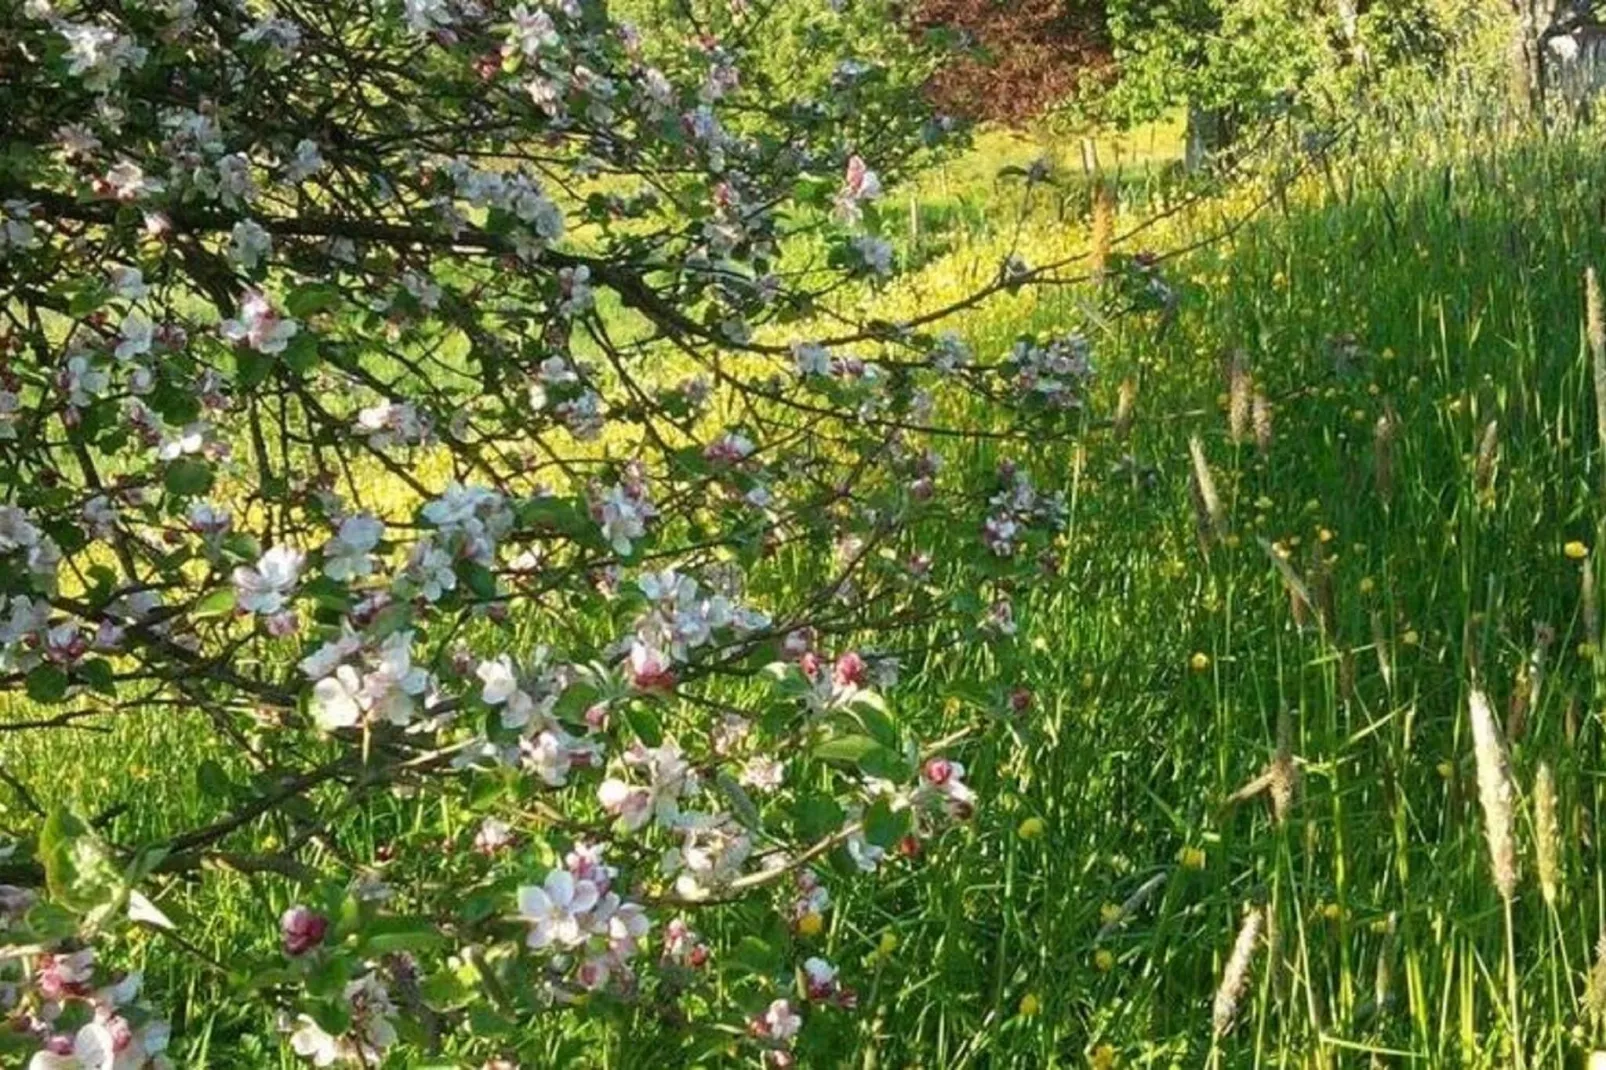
(1586, 595)
(1260, 417)
(1133, 903)
(1530, 681)
(1126, 400)
(1383, 980)
(1517, 711)
(1383, 438)
(1595, 332)
(1235, 977)
(1595, 988)
(1284, 773)
(1239, 402)
(1547, 833)
(1319, 581)
(1212, 514)
(1488, 454)
(1380, 643)
(1300, 601)
(1494, 792)
(1103, 227)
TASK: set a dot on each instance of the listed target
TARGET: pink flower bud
(850, 670)
(302, 930)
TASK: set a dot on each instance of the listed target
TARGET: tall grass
(1418, 289)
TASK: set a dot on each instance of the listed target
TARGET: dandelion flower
(1031, 828)
(1029, 1005)
(1576, 550)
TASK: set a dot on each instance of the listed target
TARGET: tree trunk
(1528, 54)
(1207, 131)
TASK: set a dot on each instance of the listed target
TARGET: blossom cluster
(477, 466)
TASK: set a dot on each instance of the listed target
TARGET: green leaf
(311, 297)
(50, 922)
(884, 826)
(301, 355)
(575, 700)
(852, 749)
(327, 979)
(444, 990)
(270, 978)
(87, 300)
(756, 956)
(560, 514)
(78, 868)
(817, 816)
(332, 1015)
(98, 674)
(478, 579)
(251, 368)
(187, 477)
(643, 720)
(217, 603)
(393, 618)
(384, 935)
(46, 684)
(741, 803)
(213, 781)
(328, 593)
(872, 713)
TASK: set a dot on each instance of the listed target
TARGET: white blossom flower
(127, 182)
(249, 244)
(307, 161)
(266, 588)
(348, 555)
(259, 326)
(99, 55)
(129, 284)
(553, 909)
(426, 16)
(16, 231)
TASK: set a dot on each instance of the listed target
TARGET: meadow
(1253, 706)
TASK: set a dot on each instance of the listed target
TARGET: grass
(1431, 280)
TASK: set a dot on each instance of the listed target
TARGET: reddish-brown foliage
(1025, 55)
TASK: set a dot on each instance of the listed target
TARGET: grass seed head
(1384, 434)
(1102, 239)
(1547, 833)
(1240, 386)
(1488, 454)
(1212, 515)
(1595, 988)
(1260, 417)
(1126, 401)
(1235, 977)
(1494, 792)
(1283, 772)
(1595, 332)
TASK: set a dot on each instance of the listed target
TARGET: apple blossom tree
(464, 401)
